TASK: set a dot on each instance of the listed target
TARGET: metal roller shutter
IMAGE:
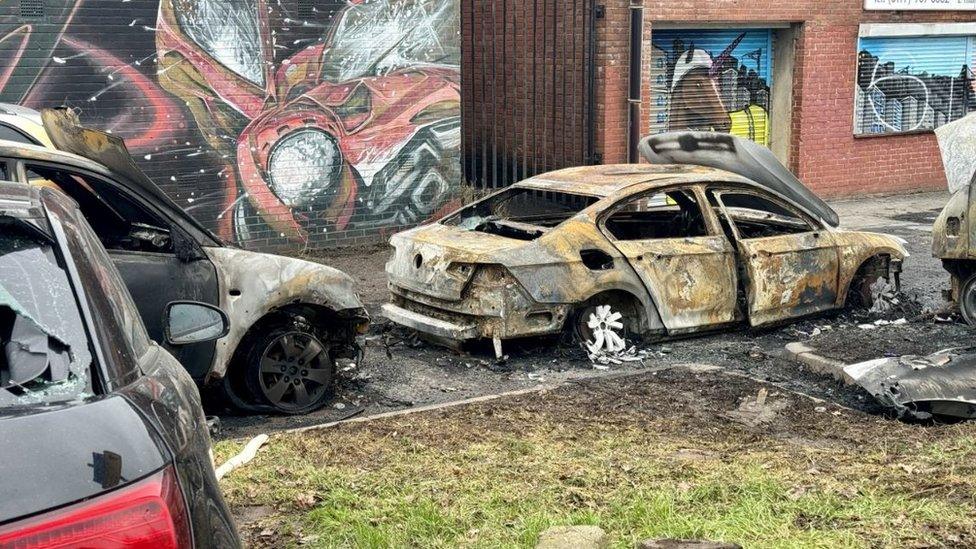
(712, 79)
(909, 84)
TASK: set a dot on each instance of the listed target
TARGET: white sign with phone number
(918, 5)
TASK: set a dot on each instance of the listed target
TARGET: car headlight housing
(304, 166)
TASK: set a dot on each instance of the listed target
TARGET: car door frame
(779, 287)
(682, 312)
(197, 357)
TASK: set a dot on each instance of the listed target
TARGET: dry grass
(643, 457)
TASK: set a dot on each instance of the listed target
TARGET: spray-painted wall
(276, 122)
(712, 79)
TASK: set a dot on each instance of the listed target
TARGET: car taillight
(149, 513)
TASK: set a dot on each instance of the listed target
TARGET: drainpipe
(636, 65)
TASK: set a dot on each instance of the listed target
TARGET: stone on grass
(573, 537)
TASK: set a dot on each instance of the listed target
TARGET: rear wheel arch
(642, 317)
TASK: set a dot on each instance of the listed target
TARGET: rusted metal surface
(460, 283)
(255, 284)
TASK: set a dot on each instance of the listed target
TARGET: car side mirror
(186, 322)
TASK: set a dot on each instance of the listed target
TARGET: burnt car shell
(487, 271)
(954, 233)
(138, 420)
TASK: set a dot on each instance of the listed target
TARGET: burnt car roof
(739, 156)
(129, 176)
(602, 181)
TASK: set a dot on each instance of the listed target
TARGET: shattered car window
(520, 213)
(46, 355)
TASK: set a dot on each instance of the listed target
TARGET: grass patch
(496, 475)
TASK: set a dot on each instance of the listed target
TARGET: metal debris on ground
(602, 359)
(940, 385)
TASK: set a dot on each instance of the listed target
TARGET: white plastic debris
(247, 454)
(877, 323)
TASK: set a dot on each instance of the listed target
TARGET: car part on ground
(131, 216)
(675, 249)
(124, 450)
(941, 385)
(954, 233)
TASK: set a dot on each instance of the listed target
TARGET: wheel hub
(295, 370)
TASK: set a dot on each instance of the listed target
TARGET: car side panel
(154, 280)
(790, 275)
(693, 280)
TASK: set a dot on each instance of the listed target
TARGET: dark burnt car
(291, 320)
(103, 441)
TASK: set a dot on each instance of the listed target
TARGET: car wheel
(860, 295)
(290, 369)
(967, 300)
(601, 328)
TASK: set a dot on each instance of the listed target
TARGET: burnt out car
(290, 320)
(714, 232)
(954, 233)
(104, 442)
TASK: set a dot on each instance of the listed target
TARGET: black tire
(967, 300)
(288, 368)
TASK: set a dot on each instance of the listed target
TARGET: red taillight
(149, 513)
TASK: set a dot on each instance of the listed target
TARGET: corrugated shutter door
(712, 79)
(908, 84)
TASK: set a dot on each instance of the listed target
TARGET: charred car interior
(712, 232)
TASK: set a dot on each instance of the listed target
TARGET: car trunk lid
(56, 455)
(437, 260)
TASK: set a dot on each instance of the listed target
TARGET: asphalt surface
(400, 371)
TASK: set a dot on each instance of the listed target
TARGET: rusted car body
(662, 249)
(954, 233)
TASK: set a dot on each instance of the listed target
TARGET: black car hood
(68, 135)
(739, 156)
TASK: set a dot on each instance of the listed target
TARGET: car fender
(855, 247)
(253, 284)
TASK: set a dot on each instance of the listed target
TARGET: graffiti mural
(269, 120)
(910, 84)
(712, 80)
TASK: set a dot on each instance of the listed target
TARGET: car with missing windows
(712, 233)
(291, 320)
(104, 441)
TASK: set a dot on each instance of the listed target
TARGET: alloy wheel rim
(604, 330)
(295, 371)
(969, 300)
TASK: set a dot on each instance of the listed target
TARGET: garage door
(712, 80)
